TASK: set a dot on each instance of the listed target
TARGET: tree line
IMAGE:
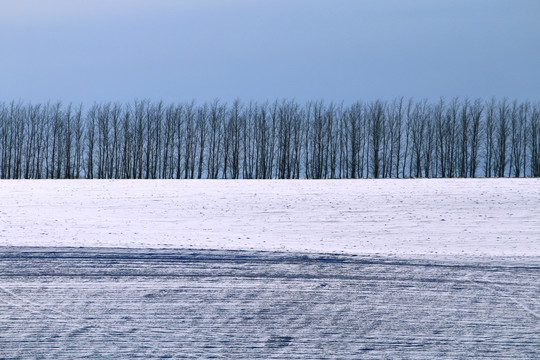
(273, 140)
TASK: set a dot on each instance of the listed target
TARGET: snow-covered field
(174, 269)
(424, 217)
(67, 303)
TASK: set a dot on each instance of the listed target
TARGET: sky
(333, 50)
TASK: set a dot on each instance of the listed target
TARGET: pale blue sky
(174, 50)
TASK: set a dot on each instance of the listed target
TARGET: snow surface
(431, 217)
(75, 303)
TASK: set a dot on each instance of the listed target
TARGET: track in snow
(65, 303)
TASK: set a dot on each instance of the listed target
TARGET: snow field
(421, 217)
(66, 303)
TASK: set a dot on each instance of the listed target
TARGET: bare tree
(475, 113)
(418, 132)
(501, 138)
(490, 138)
(518, 121)
(534, 142)
(354, 117)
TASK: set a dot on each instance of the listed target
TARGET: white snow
(474, 217)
